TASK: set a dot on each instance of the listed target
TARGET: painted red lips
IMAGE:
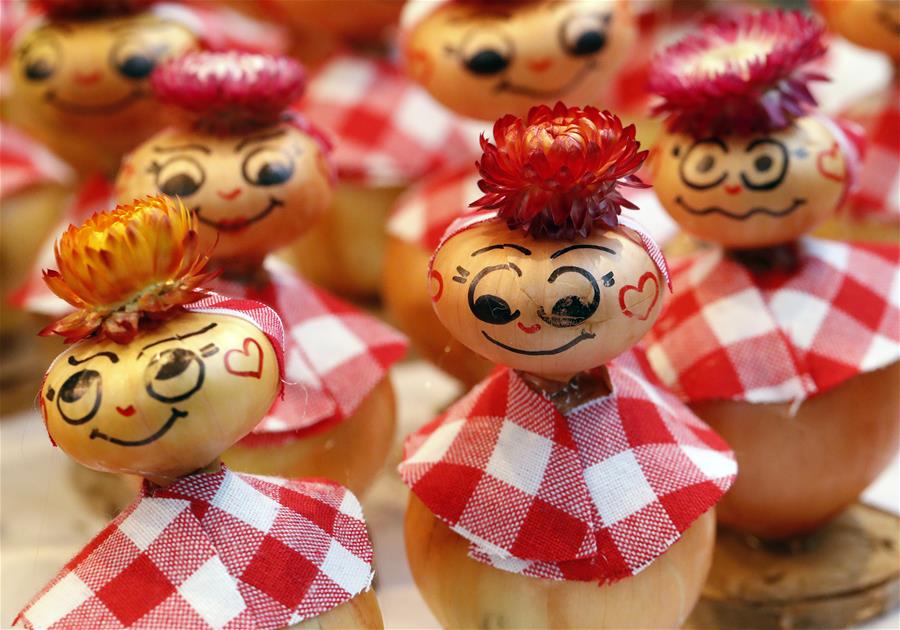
(126, 411)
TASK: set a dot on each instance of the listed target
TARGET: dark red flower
(739, 75)
(230, 91)
(91, 9)
(556, 172)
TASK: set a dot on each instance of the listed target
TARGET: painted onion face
(492, 59)
(252, 193)
(752, 191)
(91, 78)
(548, 307)
(166, 404)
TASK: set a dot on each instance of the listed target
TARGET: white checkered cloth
(595, 495)
(387, 131)
(26, 163)
(214, 550)
(335, 354)
(878, 194)
(727, 334)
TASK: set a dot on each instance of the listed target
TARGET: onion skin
(464, 593)
(797, 472)
(360, 612)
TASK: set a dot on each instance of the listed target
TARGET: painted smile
(740, 216)
(540, 353)
(85, 109)
(574, 82)
(239, 223)
(96, 434)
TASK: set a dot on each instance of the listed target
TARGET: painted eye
(490, 308)
(486, 52)
(267, 167)
(704, 165)
(582, 35)
(79, 397)
(137, 66)
(134, 58)
(174, 375)
(768, 159)
(181, 176)
(40, 59)
(571, 310)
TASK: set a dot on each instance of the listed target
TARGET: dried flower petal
(740, 75)
(556, 172)
(140, 261)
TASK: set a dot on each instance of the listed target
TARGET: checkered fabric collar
(595, 495)
(335, 354)
(878, 193)
(25, 163)
(729, 334)
(211, 551)
(387, 131)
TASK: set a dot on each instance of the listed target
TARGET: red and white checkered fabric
(25, 163)
(335, 354)
(214, 550)
(424, 212)
(878, 192)
(95, 194)
(727, 334)
(595, 495)
(387, 131)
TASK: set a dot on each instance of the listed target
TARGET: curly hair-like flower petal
(556, 172)
(120, 268)
(230, 91)
(742, 75)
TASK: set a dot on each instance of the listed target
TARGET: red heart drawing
(244, 358)
(830, 164)
(643, 298)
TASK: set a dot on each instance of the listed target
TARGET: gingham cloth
(878, 192)
(25, 163)
(424, 212)
(729, 334)
(387, 131)
(595, 495)
(214, 550)
(334, 354)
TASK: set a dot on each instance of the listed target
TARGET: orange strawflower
(138, 262)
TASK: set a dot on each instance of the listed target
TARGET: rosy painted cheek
(435, 285)
(246, 361)
(638, 300)
(830, 164)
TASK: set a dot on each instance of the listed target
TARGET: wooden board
(839, 576)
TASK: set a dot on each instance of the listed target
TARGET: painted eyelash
(608, 279)
(463, 275)
(208, 350)
(154, 167)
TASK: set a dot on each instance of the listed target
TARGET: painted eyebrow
(565, 250)
(258, 138)
(183, 147)
(524, 250)
(716, 141)
(205, 329)
(112, 356)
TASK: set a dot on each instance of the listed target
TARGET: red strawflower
(91, 9)
(556, 172)
(739, 75)
(231, 91)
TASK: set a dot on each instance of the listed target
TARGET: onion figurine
(568, 489)
(80, 77)
(160, 378)
(484, 59)
(787, 345)
(874, 25)
(257, 175)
